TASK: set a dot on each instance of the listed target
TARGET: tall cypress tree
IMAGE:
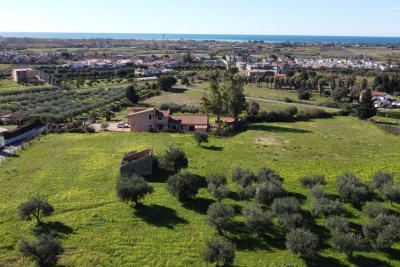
(366, 107)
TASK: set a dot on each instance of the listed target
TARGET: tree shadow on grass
(198, 204)
(319, 260)
(276, 129)
(177, 90)
(159, 216)
(392, 253)
(234, 196)
(360, 260)
(213, 148)
(57, 229)
(159, 176)
(244, 238)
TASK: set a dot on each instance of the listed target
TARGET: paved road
(272, 101)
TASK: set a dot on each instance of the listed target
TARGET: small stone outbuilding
(140, 163)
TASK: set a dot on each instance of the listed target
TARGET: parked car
(122, 124)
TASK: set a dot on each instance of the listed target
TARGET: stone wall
(137, 162)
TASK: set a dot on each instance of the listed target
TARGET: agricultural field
(77, 173)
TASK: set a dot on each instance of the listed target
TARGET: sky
(264, 17)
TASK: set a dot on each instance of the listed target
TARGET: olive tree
(44, 251)
(217, 186)
(220, 250)
(183, 185)
(133, 188)
(200, 137)
(382, 231)
(268, 191)
(36, 207)
(174, 159)
(285, 205)
(243, 177)
(311, 181)
(303, 242)
(220, 216)
(325, 206)
(391, 192)
(379, 179)
(337, 224)
(352, 189)
(257, 219)
(373, 210)
(348, 243)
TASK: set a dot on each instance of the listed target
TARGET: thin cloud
(396, 8)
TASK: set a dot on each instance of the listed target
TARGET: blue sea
(208, 37)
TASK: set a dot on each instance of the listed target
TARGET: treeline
(55, 74)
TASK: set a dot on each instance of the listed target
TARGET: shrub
(285, 205)
(303, 94)
(220, 216)
(36, 207)
(220, 250)
(257, 219)
(217, 186)
(373, 210)
(316, 113)
(183, 186)
(311, 181)
(290, 221)
(337, 224)
(325, 207)
(303, 242)
(348, 243)
(351, 189)
(44, 251)
(133, 188)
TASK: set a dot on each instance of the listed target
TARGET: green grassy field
(8, 84)
(77, 173)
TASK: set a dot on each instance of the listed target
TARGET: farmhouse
(143, 119)
(13, 118)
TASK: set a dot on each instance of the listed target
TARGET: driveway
(112, 126)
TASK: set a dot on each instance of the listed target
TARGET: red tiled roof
(140, 110)
(164, 113)
(229, 120)
(192, 120)
(13, 115)
(280, 75)
(376, 93)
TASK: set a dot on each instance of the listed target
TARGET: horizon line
(223, 34)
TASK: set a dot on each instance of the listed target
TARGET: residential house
(143, 119)
(13, 118)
